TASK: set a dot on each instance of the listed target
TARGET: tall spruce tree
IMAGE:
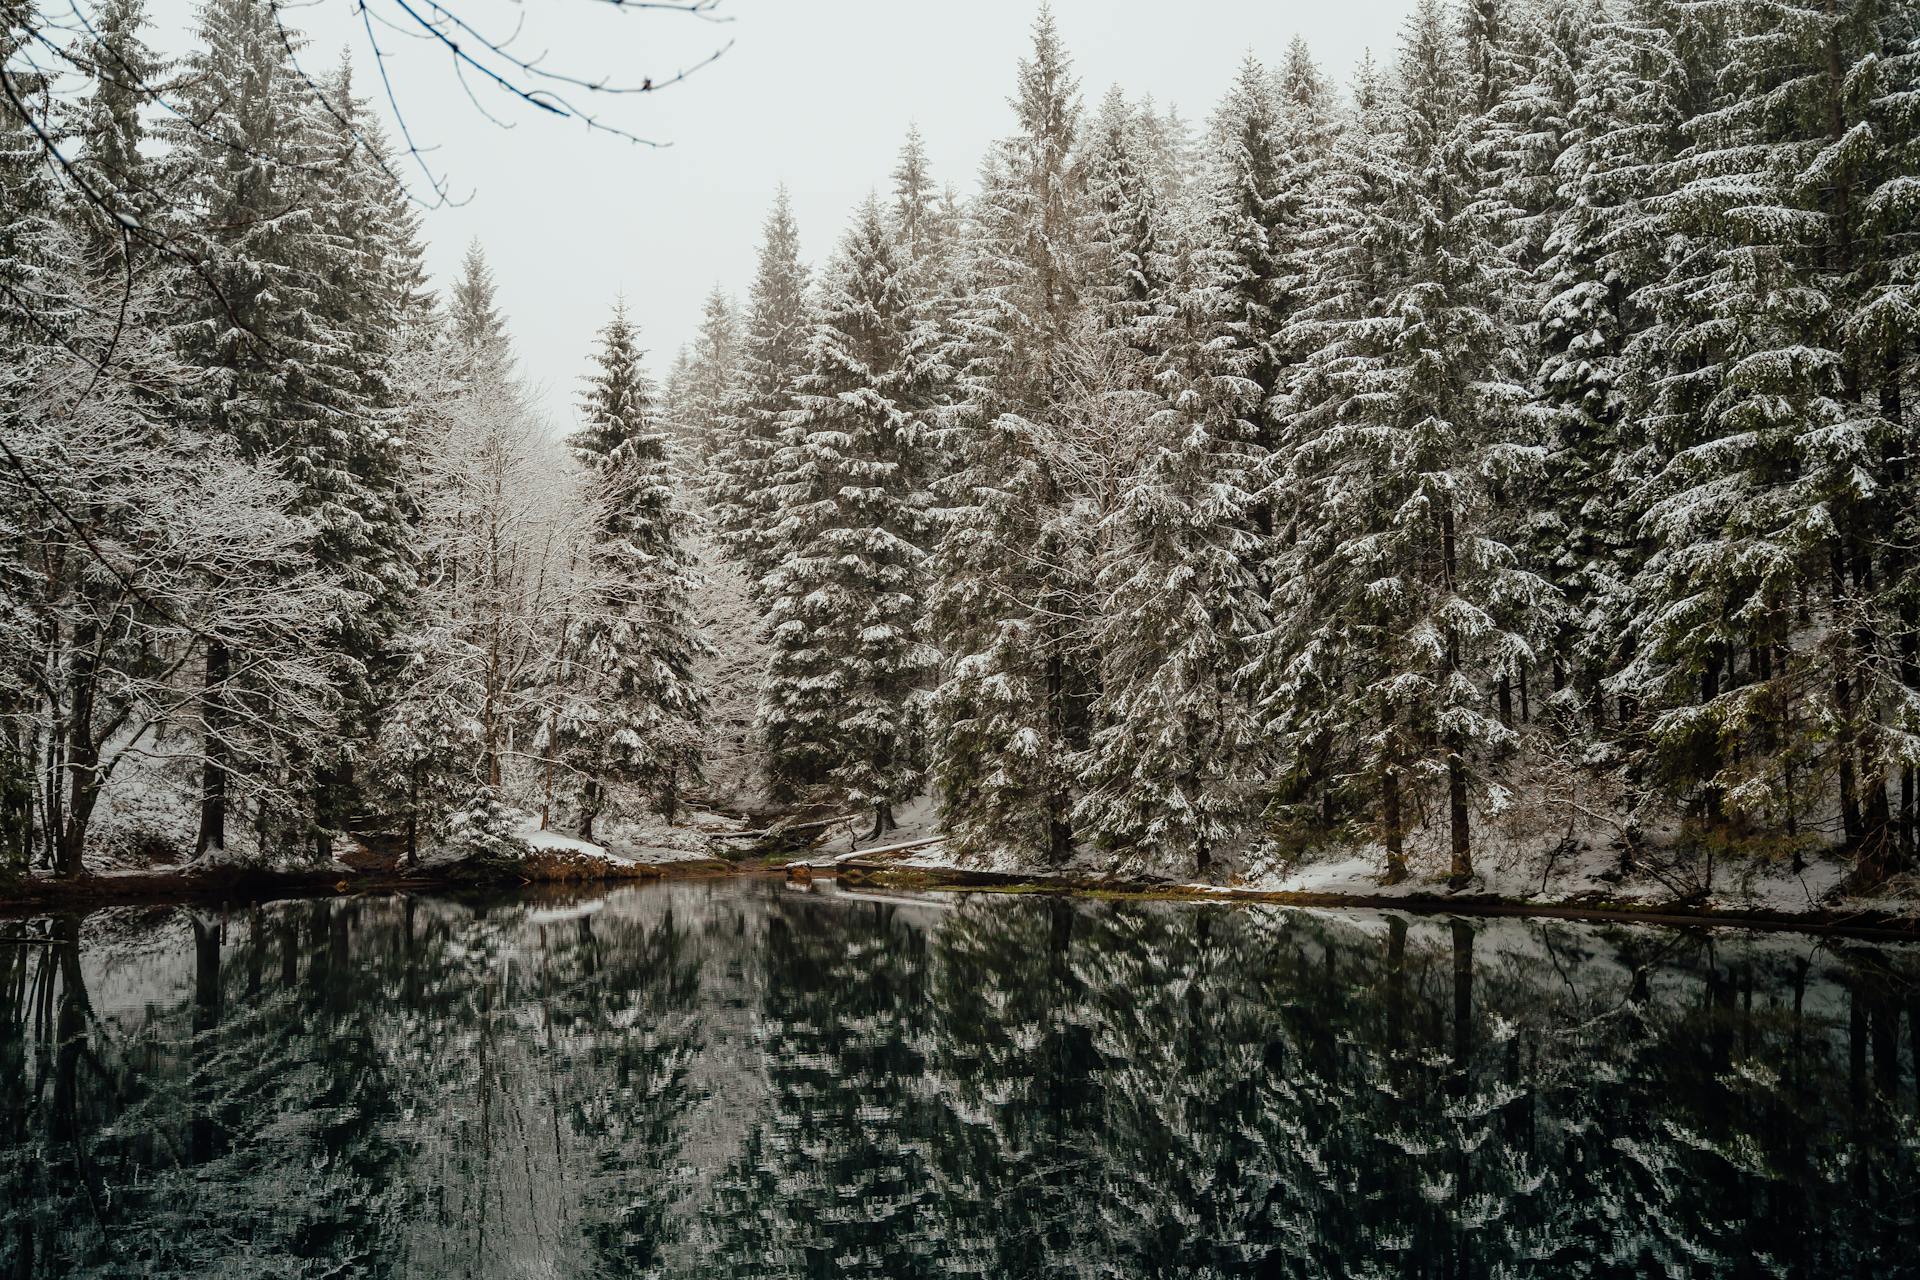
(1422, 608)
(850, 665)
(1777, 453)
(772, 357)
(1171, 775)
(633, 731)
(1011, 710)
(1127, 233)
(256, 206)
(707, 382)
(1326, 673)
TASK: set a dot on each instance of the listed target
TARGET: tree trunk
(413, 812)
(214, 753)
(1390, 821)
(82, 771)
(1462, 869)
(1849, 795)
(589, 808)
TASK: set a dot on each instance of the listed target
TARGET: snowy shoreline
(1584, 885)
(920, 866)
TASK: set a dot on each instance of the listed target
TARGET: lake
(739, 1078)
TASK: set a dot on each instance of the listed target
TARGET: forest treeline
(1357, 466)
(1362, 465)
(288, 550)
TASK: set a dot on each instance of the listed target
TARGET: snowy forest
(1518, 425)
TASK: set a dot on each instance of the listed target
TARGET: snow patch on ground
(1519, 860)
(916, 819)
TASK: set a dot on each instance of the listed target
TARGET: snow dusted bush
(482, 831)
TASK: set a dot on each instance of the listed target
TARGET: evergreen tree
(1428, 608)
(1126, 233)
(257, 197)
(1775, 452)
(473, 315)
(1253, 211)
(915, 215)
(107, 124)
(636, 711)
(772, 357)
(1600, 249)
(1270, 140)
(1010, 712)
(1171, 771)
(707, 381)
(850, 661)
(1324, 651)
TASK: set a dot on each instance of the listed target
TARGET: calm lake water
(735, 1078)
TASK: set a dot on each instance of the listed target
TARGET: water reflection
(735, 1079)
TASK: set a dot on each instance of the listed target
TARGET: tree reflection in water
(732, 1078)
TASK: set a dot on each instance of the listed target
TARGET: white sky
(815, 93)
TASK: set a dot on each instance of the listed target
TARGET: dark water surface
(732, 1078)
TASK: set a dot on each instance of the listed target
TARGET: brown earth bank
(31, 895)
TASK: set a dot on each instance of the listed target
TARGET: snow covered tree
(256, 199)
(915, 214)
(850, 661)
(706, 385)
(1127, 233)
(1172, 771)
(1601, 247)
(500, 583)
(1406, 609)
(1010, 710)
(772, 357)
(473, 316)
(1256, 194)
(1775, 453)
(106, 127)
(635, 714)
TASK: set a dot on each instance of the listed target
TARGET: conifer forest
(1323, 682)
(1520, 424)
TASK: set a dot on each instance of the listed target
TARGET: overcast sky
(813, 93)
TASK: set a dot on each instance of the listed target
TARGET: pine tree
(843, 698)
(1010, 713)
(708, 380)
(256, 196)
(374, 295)
(1265, 158)
(915, 214)
(636, 710)
(473, 313)
(772, 357)
(1598, 252)
(1171, 772)
(106, 124)
(1325, 651)
(1422, 607)
(1126, 233)
(1774, 446)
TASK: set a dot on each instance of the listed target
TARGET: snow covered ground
(630, 843)
(1586, 871)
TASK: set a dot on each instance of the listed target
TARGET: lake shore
(1887, 917)
(1874, 921)
(41, 894)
